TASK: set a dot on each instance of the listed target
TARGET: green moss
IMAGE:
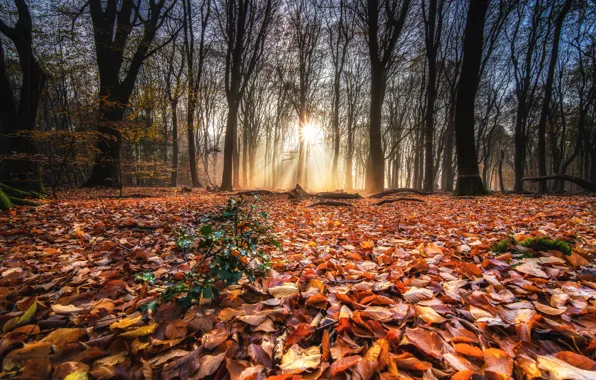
(5, 202)
(535, 244)
(504, 245)
(546, 244)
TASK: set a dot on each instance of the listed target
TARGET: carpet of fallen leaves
(407, 290)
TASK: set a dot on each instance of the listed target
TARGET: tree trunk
(548, 90)
(192, 150)
(18, 122)
(301, 169)
(448, 150)
(501, 159)
(431, 92)
(375, 174)
(468, 176)
(336, 137)
(174, 177)
(229, 144)
(105, 171)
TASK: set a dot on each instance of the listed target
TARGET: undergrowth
(226, 247)
(536, 244)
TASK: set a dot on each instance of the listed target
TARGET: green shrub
(227, 247)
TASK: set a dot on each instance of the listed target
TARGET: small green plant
(225, 252)
(504, 245)
(536, 244)
(546, 244)
(147, 277)
(184, 239)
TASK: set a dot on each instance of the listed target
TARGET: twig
(330, 203)
(404, 199)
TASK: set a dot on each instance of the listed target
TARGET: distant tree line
(464, 96)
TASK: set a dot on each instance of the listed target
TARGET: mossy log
(9, 197)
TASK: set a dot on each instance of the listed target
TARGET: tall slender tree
(382, 23)
(339, 33)
(548, 91)
(18, 115)
(245, 26)
(113, 27)
(468, 175)
(433, 27)
(195, 58)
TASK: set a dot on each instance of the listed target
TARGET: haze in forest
(352, 95)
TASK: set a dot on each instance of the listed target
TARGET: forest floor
(403, 290)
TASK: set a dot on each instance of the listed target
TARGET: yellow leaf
(141, 331)
(428, 314)
(298, 359)
(284, 291)
(112, 359)
(312, 244)
(64, 336)
(77, 375)
(367, 244)
(28, 314)
(126, 322)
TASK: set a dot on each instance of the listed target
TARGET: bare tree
(468, 175)
(244, 25)
(113, 27)
(305, 23)
(548, 90)
(382, 23)
(19, 121)
(340, 33)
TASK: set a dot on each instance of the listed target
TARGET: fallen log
(254, 192)
(399, 190)
(401, 199)
(300, 193)
(584, 184)
(338, 195)
(331, 203)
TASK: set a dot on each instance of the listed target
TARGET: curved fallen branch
(401, 199)
(255, 192)
(338, 195)
(584, 184)
(300, 193)
(331, 203)
(399, 190)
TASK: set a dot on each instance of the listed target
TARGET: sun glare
(310, 132)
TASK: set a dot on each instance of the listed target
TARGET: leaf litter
(399, 291)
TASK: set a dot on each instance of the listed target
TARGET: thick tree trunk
(375, 174)
(229, 142)
(190, 131)
(448, 175)
(105, 171)
(431, 94)
(468, 176)
(301, 167)
(18, 122)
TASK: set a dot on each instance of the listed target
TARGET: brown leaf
(209, 364)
